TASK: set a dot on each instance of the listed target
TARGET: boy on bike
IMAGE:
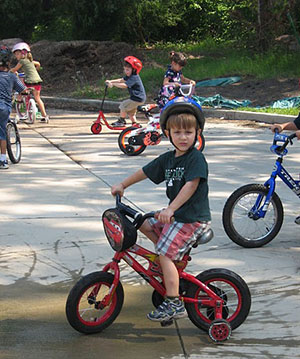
(132, 82)
(8, 83)
(187, 216)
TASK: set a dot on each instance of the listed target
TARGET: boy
(133, 82)
(187, 216)
(8, 83)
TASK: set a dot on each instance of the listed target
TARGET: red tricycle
(96, 127)
(217, 300)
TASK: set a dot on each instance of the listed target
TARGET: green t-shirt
(176, 171)
(30, 71)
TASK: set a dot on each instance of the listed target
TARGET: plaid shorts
(176, 239)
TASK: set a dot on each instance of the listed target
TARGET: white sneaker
(4, 165)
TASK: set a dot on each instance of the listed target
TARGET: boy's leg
(171, 276)
(172, 307)
(4, 115)
(149, 232)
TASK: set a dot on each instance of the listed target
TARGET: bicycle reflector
(119, 231)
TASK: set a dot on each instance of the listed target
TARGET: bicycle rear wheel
(230, 287)
(13, 142)
(127, 145)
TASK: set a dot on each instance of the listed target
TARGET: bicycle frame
(154, 270)
(282, 173)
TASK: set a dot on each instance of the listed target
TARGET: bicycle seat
(205, 237)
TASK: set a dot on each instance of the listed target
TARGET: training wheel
(96, 128)
(219, 330)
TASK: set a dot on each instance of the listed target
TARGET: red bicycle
(217, 300)
(96, 127)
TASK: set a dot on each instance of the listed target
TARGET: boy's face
(128, 70)
(183, 138)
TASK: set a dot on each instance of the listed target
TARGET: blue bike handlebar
(279, 137)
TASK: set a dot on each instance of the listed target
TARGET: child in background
(8, 83)
(185, 174)
(32, 78)
(173, 75)
(133, 83)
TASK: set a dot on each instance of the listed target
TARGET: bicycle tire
(229, 286)
(201, 143)
(21, 109)
(128, 149)
(32, 110)
(13, 142)
(237, 221)
(88, 320)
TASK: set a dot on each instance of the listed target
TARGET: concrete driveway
(51, 234)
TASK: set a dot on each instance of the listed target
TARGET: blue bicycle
(253, 214)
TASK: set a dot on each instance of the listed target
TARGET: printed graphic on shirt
(173, 174)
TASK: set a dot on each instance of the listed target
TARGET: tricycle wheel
(96, 128)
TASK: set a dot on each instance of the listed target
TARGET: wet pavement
(51, 234)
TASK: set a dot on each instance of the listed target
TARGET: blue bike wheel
(242, 220)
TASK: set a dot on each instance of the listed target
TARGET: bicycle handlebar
(138, 217)
(279, 149)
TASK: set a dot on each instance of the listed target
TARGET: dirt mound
(67, 64)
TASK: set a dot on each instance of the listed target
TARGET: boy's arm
(120, 83)
(290, 126)
(134, 178)
(183, 196)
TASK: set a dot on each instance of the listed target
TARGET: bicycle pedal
(167, 323)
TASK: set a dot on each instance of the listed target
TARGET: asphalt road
(51, 235)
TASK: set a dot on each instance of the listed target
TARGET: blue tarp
(287, 102)
(221, 81)
(219, 101)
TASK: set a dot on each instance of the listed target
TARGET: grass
(281, 111)
(208, 59)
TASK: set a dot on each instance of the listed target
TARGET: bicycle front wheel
(239, 222)
(32, 110)
(230, 287)
(21, 109)
(13, 142)
(84, 308)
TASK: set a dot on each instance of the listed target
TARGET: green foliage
(248, 23)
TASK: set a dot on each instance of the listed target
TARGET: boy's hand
(109, 84)
(117, 189)
(166, 215)
(276, 126)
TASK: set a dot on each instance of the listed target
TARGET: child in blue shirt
(133, 83)
(8, 83)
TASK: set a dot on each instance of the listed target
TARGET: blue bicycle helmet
(5, 56)
(181, 105)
